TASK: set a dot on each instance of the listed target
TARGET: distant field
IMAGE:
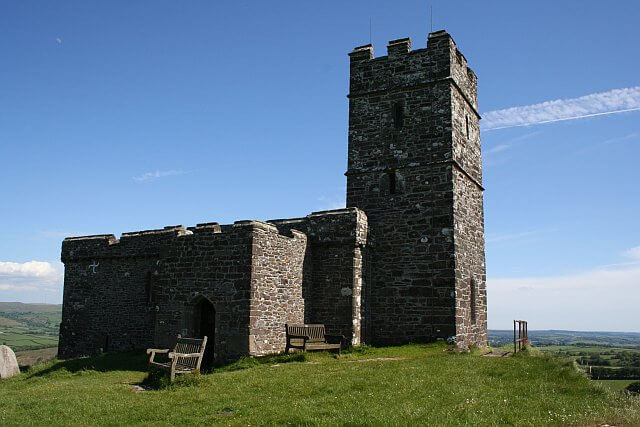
(33, 357)
(571, 338)
(612, 358)
(29, 326)
(20, 342)
(580, 349)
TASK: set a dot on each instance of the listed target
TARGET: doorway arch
(204, 324)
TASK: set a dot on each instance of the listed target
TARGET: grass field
(29, 326)
(18, 341)
(415, 384)
(38, 318)
(589, 349)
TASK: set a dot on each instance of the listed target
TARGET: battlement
(150, 242)
(404, 67)
(206, 227)
(338, 226)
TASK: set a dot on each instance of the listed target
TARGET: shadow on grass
(136, 360)
(158, 379)
(129, 361)
(250, 362)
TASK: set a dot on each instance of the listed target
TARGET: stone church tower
(414, 168)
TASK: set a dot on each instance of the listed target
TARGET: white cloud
(30, 276)
(597, 299)
(633, 253)
(633, 136)
(490, 154)
(596, 104)
(328, 204)
(496, 238)
(498, 148)
(157, 174)
(628, 137)
(27, 269)
(58, 40)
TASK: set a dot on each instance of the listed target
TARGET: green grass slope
(415, 384)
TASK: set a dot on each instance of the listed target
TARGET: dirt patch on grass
(29, 358)
(497, 354)
(379, 359)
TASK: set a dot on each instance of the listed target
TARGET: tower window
(398, 115)
(466, 119)
(148, 287)
(392, 182)
(472, 301)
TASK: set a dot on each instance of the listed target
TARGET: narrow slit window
(398, 115)
(466, 119)
(148, 286)
(392, 182)
(472, 301)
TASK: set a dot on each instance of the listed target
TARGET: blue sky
(122, 116)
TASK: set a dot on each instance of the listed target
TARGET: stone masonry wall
(107, 294)
(213, 264)
(276, 287)
(146, 288)
(471, 296)
(332, 280)
(471, 291)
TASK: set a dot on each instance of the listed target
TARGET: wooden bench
(311, 337)
(186, 356)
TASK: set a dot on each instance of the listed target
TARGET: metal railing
(521, 340)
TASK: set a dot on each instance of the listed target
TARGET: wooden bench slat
(186, 356)
(308, 337)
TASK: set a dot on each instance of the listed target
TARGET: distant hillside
(577, 338)
(29, 326)
(39, 319)
(16, 307)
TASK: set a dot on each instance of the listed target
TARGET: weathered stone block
(8, 363)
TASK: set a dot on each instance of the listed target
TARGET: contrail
(598, 104)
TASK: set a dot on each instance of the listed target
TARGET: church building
(403, 262)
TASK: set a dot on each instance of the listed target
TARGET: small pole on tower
(369, 30)
(431, 6)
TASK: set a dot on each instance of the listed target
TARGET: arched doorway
(204, 323)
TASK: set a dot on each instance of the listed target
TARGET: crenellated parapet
(403, 68)
(140, 289)
(332, 282)
(151, 243)
(346, 226)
